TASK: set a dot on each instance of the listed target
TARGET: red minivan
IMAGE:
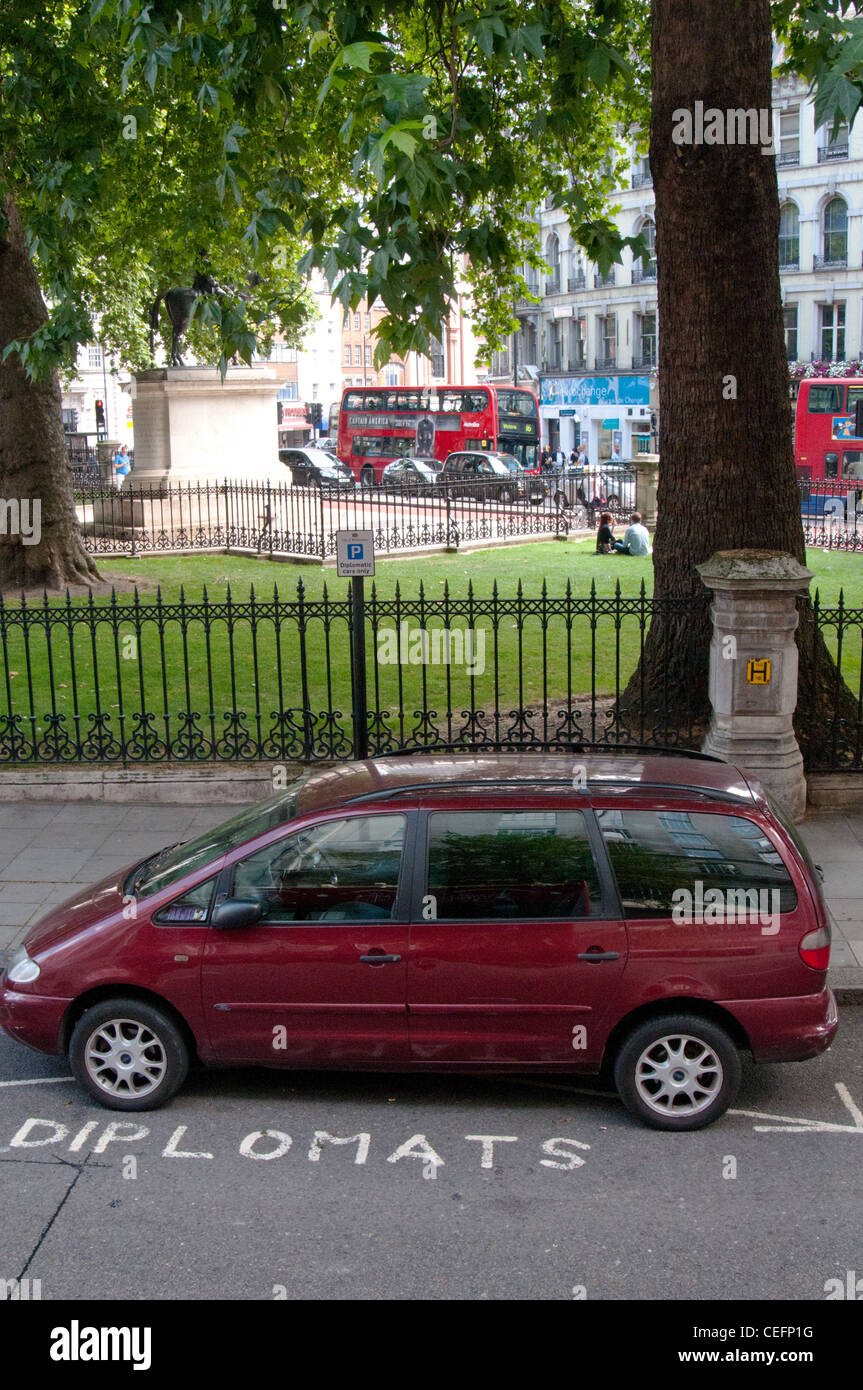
(648, 916)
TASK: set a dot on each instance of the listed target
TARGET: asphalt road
(573, 1199)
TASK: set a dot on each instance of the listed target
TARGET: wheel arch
(124, 991)
(674, 1004)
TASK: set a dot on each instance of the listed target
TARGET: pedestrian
(637, 539)
(545, 461)
(559, 459)
(582, 456)
(605, 535)
(122, 466)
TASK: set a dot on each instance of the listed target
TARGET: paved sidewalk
(49, 850)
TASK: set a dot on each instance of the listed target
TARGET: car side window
(193, 906)
(660, 857)
(336, 871)
(507, 864)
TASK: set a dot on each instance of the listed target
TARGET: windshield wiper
(140, 872)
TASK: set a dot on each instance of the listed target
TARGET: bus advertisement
(379, 424)
(826, 448)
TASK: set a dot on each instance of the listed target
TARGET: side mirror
(237, 912)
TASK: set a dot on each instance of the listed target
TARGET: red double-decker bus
(825, 445)
(379, 424)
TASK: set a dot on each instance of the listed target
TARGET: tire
(159, 1046)
(710, 1089)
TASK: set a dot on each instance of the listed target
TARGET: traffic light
(316, 413)
(280, 409)
(100, 415)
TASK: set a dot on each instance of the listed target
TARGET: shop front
(602, 413)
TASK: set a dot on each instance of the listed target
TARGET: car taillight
(815, 948)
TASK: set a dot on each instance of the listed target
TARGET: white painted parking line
(39, 1081)
(795, 1124)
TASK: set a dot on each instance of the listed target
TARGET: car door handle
(595, 956)
(380, 959)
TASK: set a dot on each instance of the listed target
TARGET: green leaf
(359, 55)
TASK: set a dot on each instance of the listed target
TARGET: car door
(321, 979)
(516, 943)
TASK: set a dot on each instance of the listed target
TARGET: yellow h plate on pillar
(758, 672)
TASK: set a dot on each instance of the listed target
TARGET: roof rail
(597, 784)
(593, 749)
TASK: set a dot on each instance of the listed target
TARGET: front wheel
(128, 1054)
(678, 1072)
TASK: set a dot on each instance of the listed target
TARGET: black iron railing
(829, 719)
(136, 680)
(303, 521)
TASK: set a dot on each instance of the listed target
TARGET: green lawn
(192, 662)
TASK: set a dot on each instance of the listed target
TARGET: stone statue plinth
(193, 427)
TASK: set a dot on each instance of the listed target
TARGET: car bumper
(787, 1030)
(32, 1019)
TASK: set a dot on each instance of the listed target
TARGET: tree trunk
(40, 541)
(727, 478)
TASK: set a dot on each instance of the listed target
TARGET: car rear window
(504, 864)
(659, 857)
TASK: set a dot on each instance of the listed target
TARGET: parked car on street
(645, 917)
(412, 473)
(317, 468)
(489, 475)
(595, 487)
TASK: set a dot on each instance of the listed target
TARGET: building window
(789, 237)
(368, 355)
(555, 344)
(607, 341)
(833, 332)
(367, 321)
(645, 268)
(836, 232)
(527, 344)
(437, 362)
(552, 256)
(641, 175)
(392, 376)
(833, 144)
(646, 341)
(577, 337)
(347, 354)
(358, 355)
(499, 363)
(94, 356)
(787, 126)
(789, 320)
(288, 392)
(356, 322)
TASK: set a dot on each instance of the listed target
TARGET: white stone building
(589, 346)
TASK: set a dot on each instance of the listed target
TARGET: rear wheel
(678, 1072)
(128, 1054)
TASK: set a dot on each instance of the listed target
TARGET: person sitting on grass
(636, 541)
(605, 535)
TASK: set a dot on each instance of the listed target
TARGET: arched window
(836, 232)
(552, 256)
(646, 268)
(789, 237)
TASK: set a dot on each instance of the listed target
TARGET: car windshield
(174, 862)
(497, 467)
(510, 462)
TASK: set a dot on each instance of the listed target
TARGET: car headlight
(22, 970)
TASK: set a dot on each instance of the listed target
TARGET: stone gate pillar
(753, 668)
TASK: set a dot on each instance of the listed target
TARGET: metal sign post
(355, 560)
